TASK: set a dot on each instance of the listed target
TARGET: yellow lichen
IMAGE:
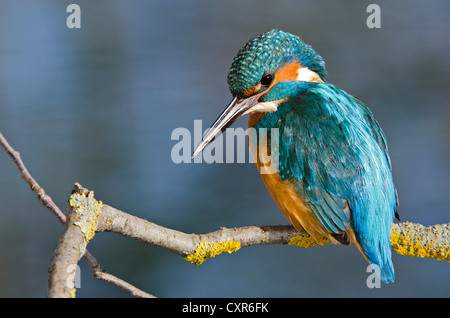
(418, 241)
(306, 241)
(207, 250)
(73, 293)
(89, 210)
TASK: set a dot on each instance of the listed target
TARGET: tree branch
(408, 239)
(35, 187)
(194, 248)
(70, 248)
(416, 240)
(47, 201)
(83, 214)
(86, 216)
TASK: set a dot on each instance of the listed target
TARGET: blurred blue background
(98, 105)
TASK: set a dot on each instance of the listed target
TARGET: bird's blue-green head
(267, 56)
(262, 75)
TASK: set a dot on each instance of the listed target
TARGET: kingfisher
(333, 174)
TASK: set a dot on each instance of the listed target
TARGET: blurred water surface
(98, 105)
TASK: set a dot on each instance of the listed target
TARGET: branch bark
(82, 216)
(47, 201)
(35, 187)
(407, 238)
(114, 220)
(70, 248)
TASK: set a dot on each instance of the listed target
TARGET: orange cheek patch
(287, 73)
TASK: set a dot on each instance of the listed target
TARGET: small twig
(122, 284)
(35, 187)
(100, 274)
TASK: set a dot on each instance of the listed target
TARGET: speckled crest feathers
(266, 52)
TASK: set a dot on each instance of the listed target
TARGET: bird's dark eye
(267, 79)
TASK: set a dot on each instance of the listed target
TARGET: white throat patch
(304, 74)
(264, 107)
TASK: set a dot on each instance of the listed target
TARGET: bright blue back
(333, 150)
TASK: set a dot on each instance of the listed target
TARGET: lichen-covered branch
(183, 244)
(47, 201)
(83, 213)
(407, 238)
(87, 216)
(416, 240)
(71, 246)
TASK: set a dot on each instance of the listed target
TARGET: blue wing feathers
(332, 147)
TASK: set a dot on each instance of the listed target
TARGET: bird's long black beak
(234, 110)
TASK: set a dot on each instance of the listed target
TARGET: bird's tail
(382, 260)
(386, 272)
(383, 265)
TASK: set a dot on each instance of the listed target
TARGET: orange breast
(287, 198)
(284, 193)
